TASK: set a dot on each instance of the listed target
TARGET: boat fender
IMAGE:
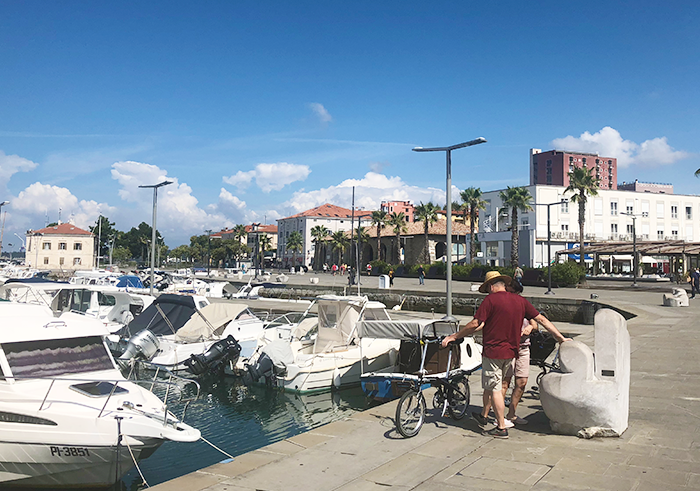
(336, 378)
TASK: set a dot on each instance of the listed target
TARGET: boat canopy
(211, 321)
(403, 329)
(129, 281)
(29, 322)
(166, 315)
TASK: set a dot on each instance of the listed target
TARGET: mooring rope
(217, 448)
(136, 464)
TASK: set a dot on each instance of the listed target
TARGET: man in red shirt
(501, 316)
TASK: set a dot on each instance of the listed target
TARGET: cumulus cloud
(609, 143)
(321, 112)
(370, 191)
(378, 167)
(231, 206)
(31, 207)
(12, 164)
(270, 177)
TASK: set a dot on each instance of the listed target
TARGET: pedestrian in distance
(518, 275)
(369, 269)
(695, 282)
(421, 275)
(500, 315)
(391, 278)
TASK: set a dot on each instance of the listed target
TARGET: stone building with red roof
(62, 247)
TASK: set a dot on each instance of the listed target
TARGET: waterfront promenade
(659, 451)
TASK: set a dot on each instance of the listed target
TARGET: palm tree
(318, 233)
(265, 243)
(582, 184)
(339, 242)
(398, 223)
(362, 237)
(426, 213)
(379, 219)
(472, 200)
(239, 233)
(295, 243)
(517, 199)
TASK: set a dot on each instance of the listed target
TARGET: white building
(658, 217)
(61, 247)
(334, 218)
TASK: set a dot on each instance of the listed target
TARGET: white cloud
(232, 207)
(270, 177)
(11, 164)
(31, 207)
(370, 191)
(321, 112)
(609, 143)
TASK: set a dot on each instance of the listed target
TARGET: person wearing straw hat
(500, 316)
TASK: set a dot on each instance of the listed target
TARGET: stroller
(541, 346)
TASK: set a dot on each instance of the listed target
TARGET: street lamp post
(208, 252)
(2, 233)
(448, 231)
(153, 224)
(549, 244)
(635, 259)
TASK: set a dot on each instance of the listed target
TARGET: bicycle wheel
(458, 398)
(410, 413)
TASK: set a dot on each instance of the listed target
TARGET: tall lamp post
(208, 251)
(153, 225)
(549, 244)
(448, 231)
(635, 259)
(2, 233)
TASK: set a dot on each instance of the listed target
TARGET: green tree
(318, 234)
(517, 199)
(339, 242)
(379, 220)
(582, 184)
(426, 213)
(181, 252)
(362, 237)
(295, 243)
(103, 234)
(121, 255)
(473, 202)
(397, 222)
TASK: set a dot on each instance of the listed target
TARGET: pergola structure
(682, 255)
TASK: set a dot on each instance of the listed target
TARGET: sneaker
(480, 419)
(496, 432)
(519, 421)
(507, 423)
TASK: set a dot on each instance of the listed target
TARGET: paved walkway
(659, 451)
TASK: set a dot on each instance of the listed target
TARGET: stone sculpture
(679, 298)
(590, 395)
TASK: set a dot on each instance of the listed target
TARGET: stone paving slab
(659, 451)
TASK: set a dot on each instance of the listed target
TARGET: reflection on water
(239, 419)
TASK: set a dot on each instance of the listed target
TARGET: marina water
(239, 419)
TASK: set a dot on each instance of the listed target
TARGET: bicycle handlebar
(432, 340)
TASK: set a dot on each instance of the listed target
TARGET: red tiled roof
(331, 211)
(62, 229)
(267, 229)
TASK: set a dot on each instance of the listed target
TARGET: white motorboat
(68, 418)
(182, 333)
(331, 354)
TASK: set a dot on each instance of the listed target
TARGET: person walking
(421, 275)
(695, 282)
(391, 278)
(518, 275)
(369, 269)
(500, 315)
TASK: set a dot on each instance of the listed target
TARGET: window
(688, 212)
(78, 246)
(565, 207)
(613, 228)
(46, 246)
(46, 260)
(660, 233)
(613, 208)
(659, 209)
(62, 246)
(76, 261)
(61, 260)
(564, 227)
(534, 171)
(630, 229)
(630, 209)
(674, 211)
(674, 233)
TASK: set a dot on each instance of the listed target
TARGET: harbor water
(239, 419)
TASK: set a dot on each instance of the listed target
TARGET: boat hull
(65, 466)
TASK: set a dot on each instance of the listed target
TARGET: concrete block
(282, 278)
(314, 280)
(591, 391)
(679, 298)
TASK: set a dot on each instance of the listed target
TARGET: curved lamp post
(549, 244)
(635, 259)
(448, 231)
(153, 224)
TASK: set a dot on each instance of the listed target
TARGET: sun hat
(491, 278)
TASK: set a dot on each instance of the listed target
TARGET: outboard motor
(143, 344)
(215, 357)
(262, 369)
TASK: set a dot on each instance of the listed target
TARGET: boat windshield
(54, 357)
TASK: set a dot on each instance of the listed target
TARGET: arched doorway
(440, 250)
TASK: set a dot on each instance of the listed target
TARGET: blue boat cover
(129, 281)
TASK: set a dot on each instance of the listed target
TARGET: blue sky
(259, 110)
